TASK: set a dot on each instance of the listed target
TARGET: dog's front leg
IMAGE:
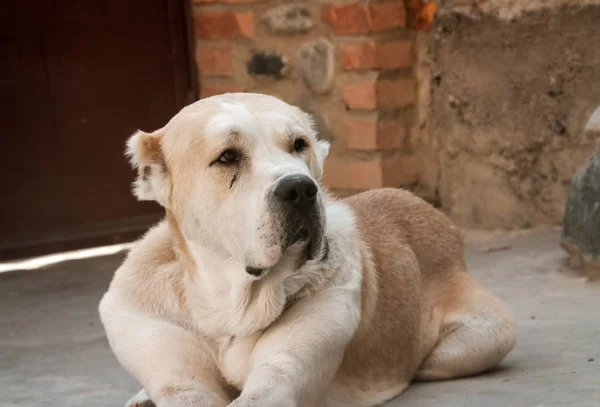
(175, 367)
(296, 359)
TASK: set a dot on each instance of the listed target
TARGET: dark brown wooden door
(76, 79)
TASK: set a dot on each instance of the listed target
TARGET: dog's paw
(142, 399)
(268, 401)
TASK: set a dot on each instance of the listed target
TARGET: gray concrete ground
(53, 351)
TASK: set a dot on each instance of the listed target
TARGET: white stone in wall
(288, 19)
(315, 65)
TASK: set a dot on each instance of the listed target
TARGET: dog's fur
(224, 303)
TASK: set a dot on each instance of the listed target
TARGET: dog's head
(240, 174)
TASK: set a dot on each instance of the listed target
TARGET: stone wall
(349, 63)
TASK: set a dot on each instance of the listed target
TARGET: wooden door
(76, 79)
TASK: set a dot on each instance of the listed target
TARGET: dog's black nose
(297, 190)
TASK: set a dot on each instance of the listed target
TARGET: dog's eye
(229, 157)
(300, 145)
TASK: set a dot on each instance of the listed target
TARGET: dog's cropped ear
(146, 156)
(322, 151)
(322, 146)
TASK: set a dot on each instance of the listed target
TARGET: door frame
(180, 14)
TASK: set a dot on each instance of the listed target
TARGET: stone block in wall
(268, 63)
(315, 63)
(581, 222)
(288, 19)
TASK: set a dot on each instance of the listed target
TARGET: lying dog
(258, 289)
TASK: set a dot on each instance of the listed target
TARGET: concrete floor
(53, 351)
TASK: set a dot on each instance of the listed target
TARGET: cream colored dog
(258, 289)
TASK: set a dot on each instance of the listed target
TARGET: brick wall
(349, 63)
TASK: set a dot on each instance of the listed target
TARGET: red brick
(347, 173)
(374, 134)
(395, 93)
(350, 19)
(214, 61)
(394, 55)
(362, 19)
(224, 26)
(413, 4)
(212, 90)
(387, 94)
(371, 55)
(361, 96)
(385, 16)
(358, 56)
(354, 174)
(401, 170)
(360, 134)
(391, 133)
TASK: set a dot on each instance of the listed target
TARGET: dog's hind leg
(473, 338)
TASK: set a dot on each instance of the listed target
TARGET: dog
(260, 289)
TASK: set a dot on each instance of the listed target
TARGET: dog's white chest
(235, 357)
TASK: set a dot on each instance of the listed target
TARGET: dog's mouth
(305, 242)
(297, 238)
(303, 239)
(299, 248)
(301, 235)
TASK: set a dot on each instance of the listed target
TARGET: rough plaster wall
(510, 92)
(424, 141)
(509, 9)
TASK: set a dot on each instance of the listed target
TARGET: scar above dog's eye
(299, 145)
